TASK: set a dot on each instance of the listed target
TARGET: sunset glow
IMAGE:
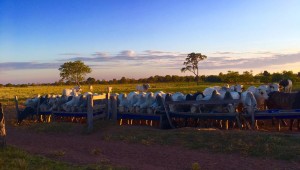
(138, 38)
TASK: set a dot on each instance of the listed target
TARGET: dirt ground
(80, 148)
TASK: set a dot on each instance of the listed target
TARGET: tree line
(231, 77)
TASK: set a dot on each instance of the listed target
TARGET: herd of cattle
(271, 96)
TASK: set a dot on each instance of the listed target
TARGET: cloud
(27, 65)
(245, 53)
(152, 59)
(225, 52)
(128, 53)
(129, 56)
(100, 54)
(71, 54)
(250, 63)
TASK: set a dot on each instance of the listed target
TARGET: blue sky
(140, 38)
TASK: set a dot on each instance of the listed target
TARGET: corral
(117, 145)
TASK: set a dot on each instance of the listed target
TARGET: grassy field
(276, 145)
(273, 145)
(7, 93)
(15, 159)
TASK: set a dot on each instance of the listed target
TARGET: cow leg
(278, 127)
(220, 124)
(226, 124)
(273, 122)
(256, 125)
(284, 122)
(298, 124)
(291, 124)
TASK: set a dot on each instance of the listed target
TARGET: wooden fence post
(90, 112)
(2, 128)
(17, 106)
(114, 108)
(108, 103)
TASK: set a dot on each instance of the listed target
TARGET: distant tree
(231, 77)
(276, 77)
(213, 78)
(266, 73)
(90, 80)
(289, 75)
(191, 64)
(246, 77)
(74, 71)
(123, 80)
(168, 78)
(9, 85)
(175, 78)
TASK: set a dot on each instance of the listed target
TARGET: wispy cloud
(245, 53)
(100, 54)
(162, 59)
(251, 63)
(71, 54)
(27, 65)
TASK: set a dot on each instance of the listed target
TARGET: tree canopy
(191, 64)
(74, 71)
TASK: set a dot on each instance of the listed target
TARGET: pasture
(234, 148)
(7, 93)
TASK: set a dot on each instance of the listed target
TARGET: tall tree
(191, 64)
(74, 71)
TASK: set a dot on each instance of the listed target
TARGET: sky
(142, 38)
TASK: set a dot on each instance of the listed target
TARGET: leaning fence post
(90, 112)
(2, 128)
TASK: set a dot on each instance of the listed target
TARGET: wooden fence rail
(90, 114)
(202, 116)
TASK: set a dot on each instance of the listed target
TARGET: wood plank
(99, 97)
(204, 102)
(217, 116)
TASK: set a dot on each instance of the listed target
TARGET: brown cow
(281, 100)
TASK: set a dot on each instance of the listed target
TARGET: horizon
(138, 39)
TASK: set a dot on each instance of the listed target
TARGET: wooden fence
(278, 115)
(203, 116)
(90, 114)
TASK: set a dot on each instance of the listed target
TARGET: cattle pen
(107, 105)
(100, 102)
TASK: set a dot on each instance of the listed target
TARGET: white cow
(260, 93)
(72, 92)
(142, 88)
(237, 88)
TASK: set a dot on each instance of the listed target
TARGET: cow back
(280, 100)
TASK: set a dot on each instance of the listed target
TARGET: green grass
(274, 145)
(15, 159)
(268, 145)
